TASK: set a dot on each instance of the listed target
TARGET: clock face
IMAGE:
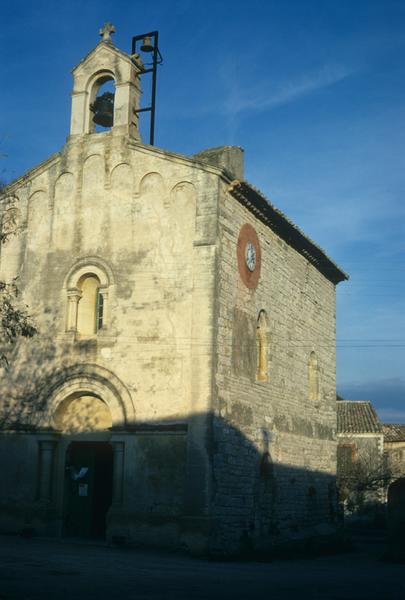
(250, 256)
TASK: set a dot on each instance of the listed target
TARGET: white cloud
(259, 99)
(234, 94)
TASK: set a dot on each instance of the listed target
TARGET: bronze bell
(103, 108)
(147, 45)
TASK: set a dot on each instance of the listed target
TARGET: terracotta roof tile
(394, 432)
(357, 416)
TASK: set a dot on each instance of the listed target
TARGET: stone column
(78, 116)
(46, 460)
(118, 472)
(74, 296)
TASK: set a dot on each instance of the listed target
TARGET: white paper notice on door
(83, 489)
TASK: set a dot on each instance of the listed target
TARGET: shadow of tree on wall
(21, 386)
(15, 320)
(24, 387)
(37, 368)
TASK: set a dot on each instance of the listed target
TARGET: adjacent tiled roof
(394, 432)
(357, 416)
(256, 202)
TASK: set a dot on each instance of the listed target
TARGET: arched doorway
(87, 489)
(85, 420)
(88, 407)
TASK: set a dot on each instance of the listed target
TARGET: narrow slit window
(261, 347)
(313, 378)
(99, 310)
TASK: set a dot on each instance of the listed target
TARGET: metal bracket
(157, 59)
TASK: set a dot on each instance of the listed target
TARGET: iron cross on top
(106, 31)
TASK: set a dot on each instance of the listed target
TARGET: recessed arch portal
(80, 413)
(91, 384)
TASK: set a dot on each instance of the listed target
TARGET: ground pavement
(33, 569)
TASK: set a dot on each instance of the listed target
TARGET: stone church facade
(181, 388)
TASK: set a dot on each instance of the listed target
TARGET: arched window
(87, 290)
(90, 306)
(261, 347)
(313, 378)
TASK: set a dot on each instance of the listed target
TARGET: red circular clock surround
(248, 234)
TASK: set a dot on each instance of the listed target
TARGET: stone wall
(395, 457)
(274, 451)
(178, 342)
(148, 221)
(144, 221)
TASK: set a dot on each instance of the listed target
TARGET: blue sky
(313, 90)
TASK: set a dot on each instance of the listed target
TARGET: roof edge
(257, 203)
(34, 171)
(102, 44)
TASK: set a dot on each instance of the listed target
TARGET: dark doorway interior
(88, 488)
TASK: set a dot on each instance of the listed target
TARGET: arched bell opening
(102, 104)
